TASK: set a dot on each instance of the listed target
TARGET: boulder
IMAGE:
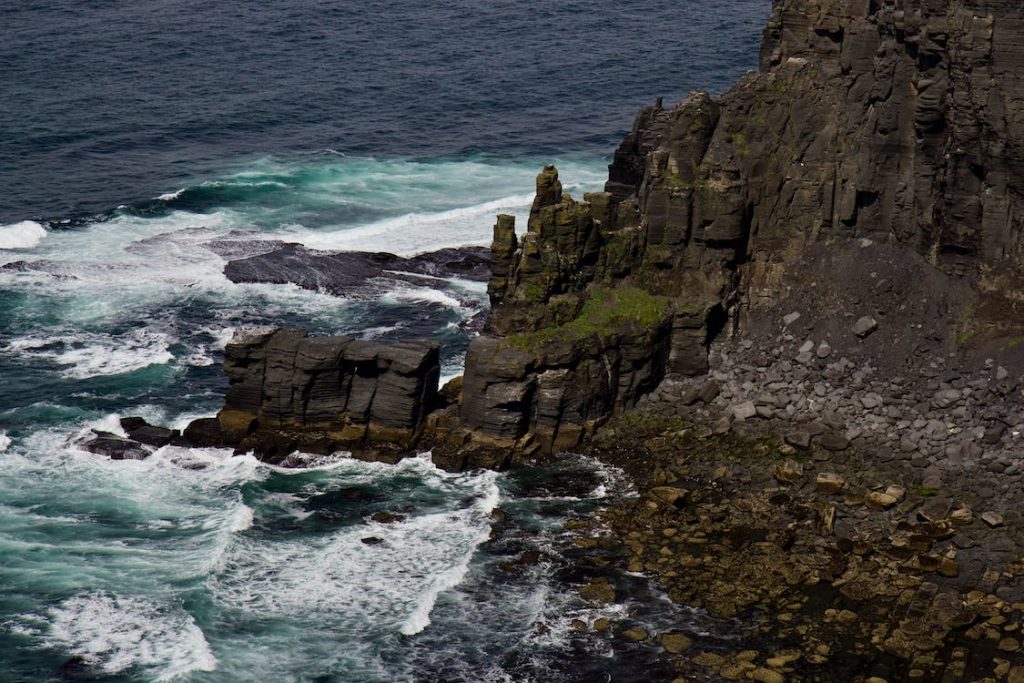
(288, 390)
(833, 441)
(115, 447)
(788, 472)
(829, 482)
(674, 642)
(204, 432)
(599, 591)
(149, 434)
(864, 326)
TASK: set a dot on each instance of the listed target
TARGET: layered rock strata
(288, 390)
(867, 175)
(893, 123)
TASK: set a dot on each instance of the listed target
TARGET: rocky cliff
(870, 170)
(865, 183)
(291, 391)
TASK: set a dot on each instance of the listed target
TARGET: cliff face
(867, 181)
(894, 124)
(291, 391)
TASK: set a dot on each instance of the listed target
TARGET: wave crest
(21, 235)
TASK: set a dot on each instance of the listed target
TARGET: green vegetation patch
(605, 312)
(672, 180)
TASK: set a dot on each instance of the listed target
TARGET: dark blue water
(111, 101)
(135, 133)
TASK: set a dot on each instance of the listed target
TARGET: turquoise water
(130, 141)
(196, 565)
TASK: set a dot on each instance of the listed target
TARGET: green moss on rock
(605, 312)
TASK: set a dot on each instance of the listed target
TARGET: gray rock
(834, 441)
(864, 327)
(744, 411)
(798, 439)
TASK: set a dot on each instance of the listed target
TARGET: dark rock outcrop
(139, 430)
(356, 273)
(865, 183)
(115, 447)
(867, 123)
(204, 433)
(288, 391)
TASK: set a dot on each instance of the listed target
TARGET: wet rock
(635, 635)
(139, 430)
(599, 590)
(384, 517)
(204, 433)
(355, 273)
(325, 393)
(115, 447)
(372, 540)
(762, 675)
(674, 642)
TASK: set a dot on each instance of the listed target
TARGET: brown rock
(598, 590)
(635, 635)
(788, 471)
(993, 519)
(674, 642)
(829, 482)
(669, 495)
(763, 675)
(878, 500)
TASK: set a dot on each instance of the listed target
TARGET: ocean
(132, 135)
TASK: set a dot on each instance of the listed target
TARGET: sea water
(131, 137)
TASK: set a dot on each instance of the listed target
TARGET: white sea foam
(169, 196)
(87, 354)
(406, 293)
(222, 337)
(117, 633)
(415, 233)
(5, 441)
(393, 585)
(22, 235)
(241, 519)
(419, 619)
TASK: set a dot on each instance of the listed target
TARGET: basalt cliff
(872, 166)
(867, 178)
(793, 317)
